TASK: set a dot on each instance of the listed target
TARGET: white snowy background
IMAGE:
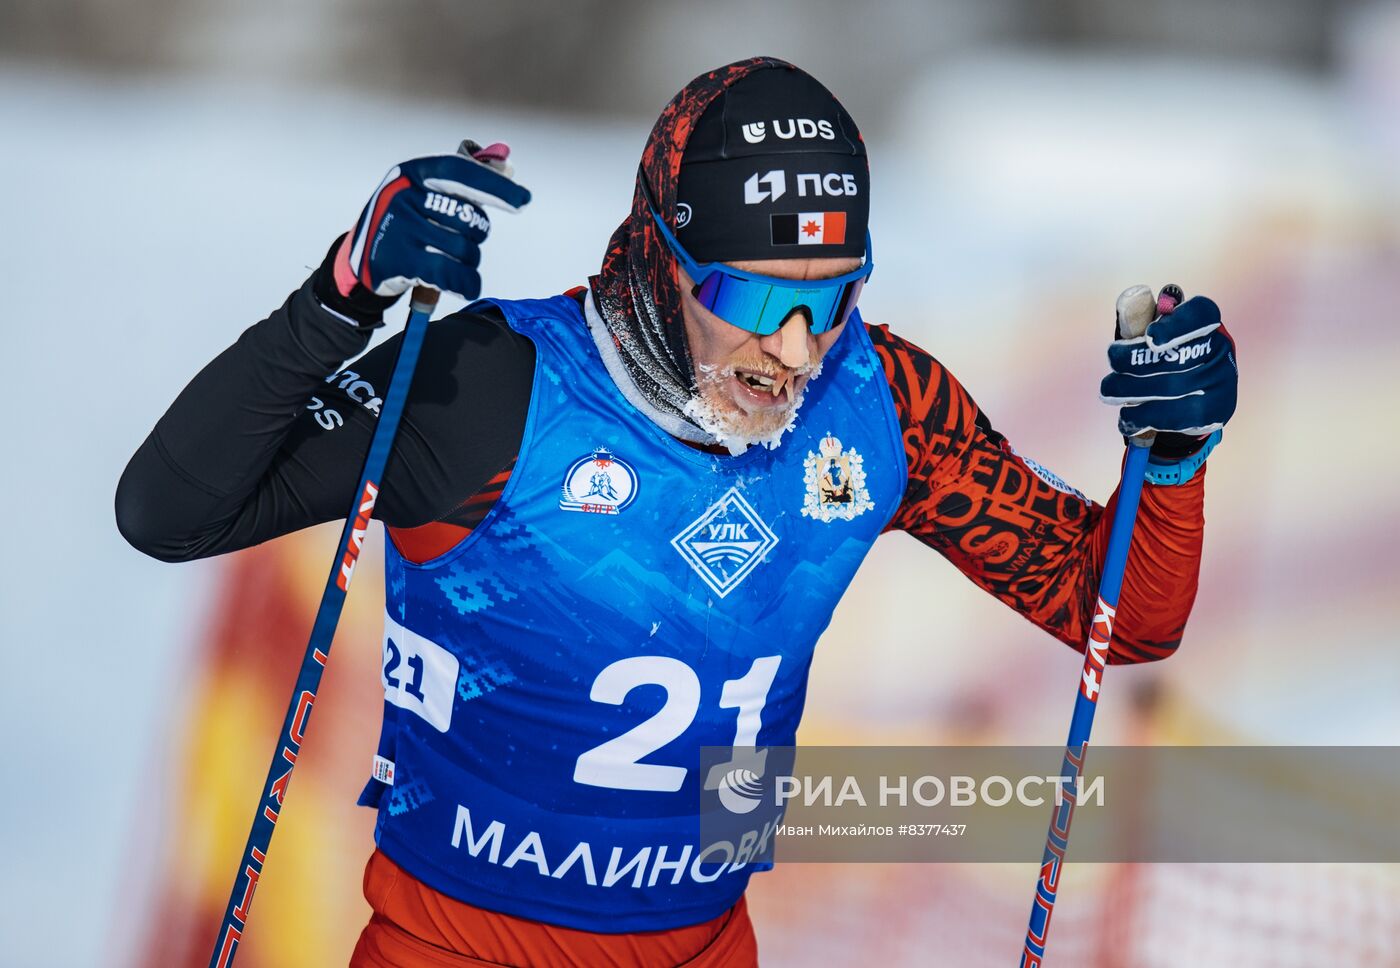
(148, 217)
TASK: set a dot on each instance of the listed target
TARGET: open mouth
(765, 390)
(756, 381)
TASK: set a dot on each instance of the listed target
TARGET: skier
(544, 813)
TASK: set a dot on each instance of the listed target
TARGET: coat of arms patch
(835, 481)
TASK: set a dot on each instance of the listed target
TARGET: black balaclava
(734, 163)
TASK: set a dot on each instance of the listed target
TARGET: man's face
(751, 384)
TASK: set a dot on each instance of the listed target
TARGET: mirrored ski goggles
(761, 304)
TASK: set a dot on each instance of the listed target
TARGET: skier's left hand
(1179, 379)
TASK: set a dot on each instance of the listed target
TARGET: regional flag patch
(809, 228)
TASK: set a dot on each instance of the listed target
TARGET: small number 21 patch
(419, 675)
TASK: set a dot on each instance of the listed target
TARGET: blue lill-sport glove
(425, 223)
(1178, 380)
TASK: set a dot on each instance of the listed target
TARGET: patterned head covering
(635, 292)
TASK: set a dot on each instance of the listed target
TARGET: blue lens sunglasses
(761, 304)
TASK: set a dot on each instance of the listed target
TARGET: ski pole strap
(1172, 473)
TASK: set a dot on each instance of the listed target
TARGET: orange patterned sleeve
(1024, 536)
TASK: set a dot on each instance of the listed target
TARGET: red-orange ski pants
(414, 926)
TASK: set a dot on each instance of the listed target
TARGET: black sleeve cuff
(362, 305)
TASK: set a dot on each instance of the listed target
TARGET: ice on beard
(720, 424)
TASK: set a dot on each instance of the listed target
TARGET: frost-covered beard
(717, 414)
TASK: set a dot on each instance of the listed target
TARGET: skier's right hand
(425, 223)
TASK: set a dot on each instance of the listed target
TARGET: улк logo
(835, 481)
(725, 543)
(775, 181)
(601, 483)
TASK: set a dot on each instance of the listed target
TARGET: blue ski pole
(1135, 312)
(318, 648)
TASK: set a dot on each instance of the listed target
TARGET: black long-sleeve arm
(269, 438)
